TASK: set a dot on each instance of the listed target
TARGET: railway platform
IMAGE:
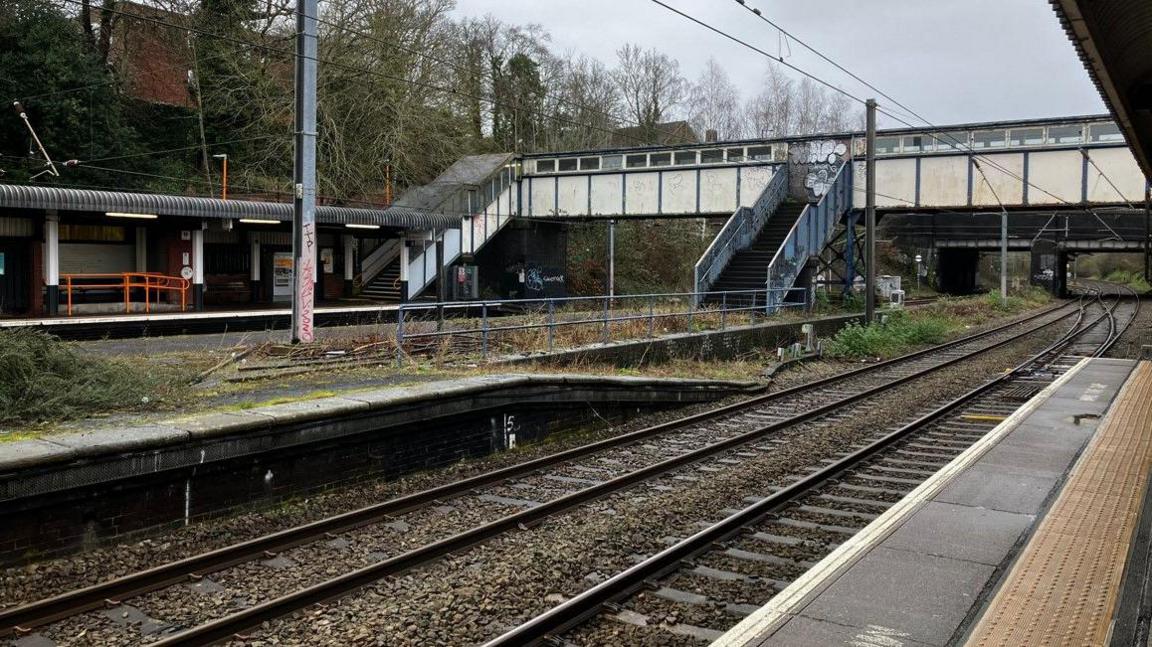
(168, 323)
(1036, 535)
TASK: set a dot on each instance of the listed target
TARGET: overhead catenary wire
(889, 112)
(936, 130)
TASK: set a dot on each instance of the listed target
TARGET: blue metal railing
(740, 231)
(810, 234)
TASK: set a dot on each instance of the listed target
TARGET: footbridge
(769, 191)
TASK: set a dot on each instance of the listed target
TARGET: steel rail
(587, 604)
(25, 617)
(241, 621)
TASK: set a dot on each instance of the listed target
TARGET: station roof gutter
(16, 196)
(1114, 40)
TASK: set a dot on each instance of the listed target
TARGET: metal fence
(483, 328)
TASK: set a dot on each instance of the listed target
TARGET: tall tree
(714, 103)
(651, 87)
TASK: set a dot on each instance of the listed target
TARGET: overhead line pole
(870, 215)
(304, 175)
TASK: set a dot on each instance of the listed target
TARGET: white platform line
(796, 596)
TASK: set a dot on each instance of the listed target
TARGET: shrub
(43, 379)
(856, 341)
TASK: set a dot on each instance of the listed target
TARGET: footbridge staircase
(481, 189)
(766, 246)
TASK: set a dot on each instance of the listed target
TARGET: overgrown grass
(932, 324)
(1134, 280)
(43, 379)
(888, 339)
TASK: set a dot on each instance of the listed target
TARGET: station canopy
(1114, 40)
(15, 196)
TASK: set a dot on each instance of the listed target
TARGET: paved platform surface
(921, 573)
(1064, 588)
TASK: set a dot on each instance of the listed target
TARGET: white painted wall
(573, 195)
(1006, 184)
(679, 192)
(895, 182)
(1056, 172)
(606, 194)
(944, 181)
(640, 198)
(718, 190)
(753, 179)
(543, 196)
(1121, 168)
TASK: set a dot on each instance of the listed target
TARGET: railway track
(555, 483)
(756, 551)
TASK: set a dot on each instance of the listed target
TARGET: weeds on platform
(900, 331)
(44, 379)
(904, 330)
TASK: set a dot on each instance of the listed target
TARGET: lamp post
(919, 259)
(223, 157)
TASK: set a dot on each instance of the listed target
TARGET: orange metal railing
(152, 283)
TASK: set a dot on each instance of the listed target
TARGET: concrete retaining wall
(71, 491)
(708, 345)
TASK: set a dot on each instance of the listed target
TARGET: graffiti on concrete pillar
(817, 162)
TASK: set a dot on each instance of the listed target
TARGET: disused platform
(174, 323)
(1030, 537)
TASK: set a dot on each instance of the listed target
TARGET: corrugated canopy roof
(1114, 40)
(64, 199)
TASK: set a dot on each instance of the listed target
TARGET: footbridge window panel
(1026, 136)
(715, 155)
(1071, 134)
(955, 141)
(887, 145)
(984, 139)
(635, 161)
(1105, 133)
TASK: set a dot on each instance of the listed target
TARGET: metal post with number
(304, 175)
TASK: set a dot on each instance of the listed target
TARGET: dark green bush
(901, 331)
(43, 379)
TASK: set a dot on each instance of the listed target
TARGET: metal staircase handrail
(374, 263)
(740, 231)
(809, 234)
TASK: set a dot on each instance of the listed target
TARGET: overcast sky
(950, 60)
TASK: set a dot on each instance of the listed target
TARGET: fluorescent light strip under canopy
(354, 226)
(258, 221)
(143, 216)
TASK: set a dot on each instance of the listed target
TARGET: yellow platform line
(983, 418)
(1064, 587)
